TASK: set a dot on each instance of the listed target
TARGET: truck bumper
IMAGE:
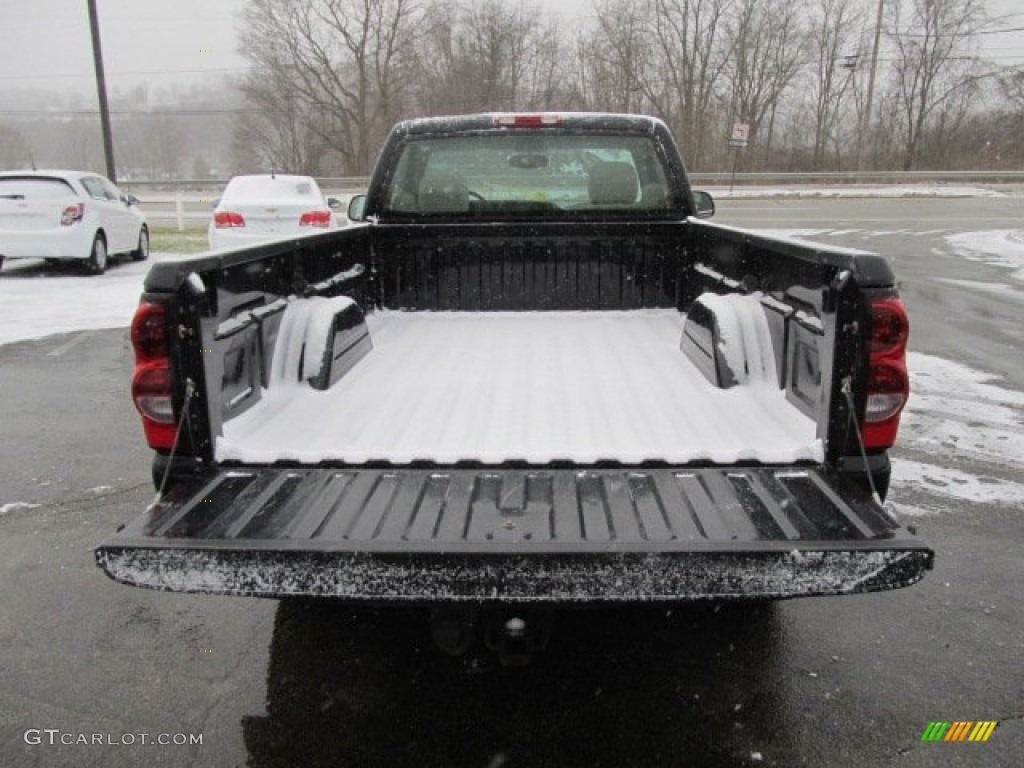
(551, 536)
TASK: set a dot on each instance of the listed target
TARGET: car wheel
(1, 262)
(142, 252)
(97, 263)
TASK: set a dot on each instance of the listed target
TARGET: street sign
(740, 132)
(738, 144)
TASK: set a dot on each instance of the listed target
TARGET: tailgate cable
(190, 388)
(852, 412)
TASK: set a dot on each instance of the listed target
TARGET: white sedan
(58, 215)
(258, 208)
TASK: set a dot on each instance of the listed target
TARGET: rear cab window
(34, 188)
(270, 188)
(531, 174)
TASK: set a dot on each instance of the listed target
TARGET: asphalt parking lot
(847, 681)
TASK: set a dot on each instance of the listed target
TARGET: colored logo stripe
(959, 730)
(982, 731)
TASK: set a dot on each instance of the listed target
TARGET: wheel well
(101, 235)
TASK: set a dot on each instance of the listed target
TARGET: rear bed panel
(516, 535)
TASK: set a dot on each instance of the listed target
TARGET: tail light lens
(889, 328)
(151, 380)
(888, 382)
(149, 332)
(72, 214)
(228, 219)
(315, 219)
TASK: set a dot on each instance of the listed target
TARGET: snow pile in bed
(522, 386)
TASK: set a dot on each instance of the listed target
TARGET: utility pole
(865, 120)
(101, 87)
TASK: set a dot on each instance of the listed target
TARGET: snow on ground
(853, 190)
(1000, 247)
(956, 485)
(955, 409)
(957, 416)
(36, 304)
(14, 506)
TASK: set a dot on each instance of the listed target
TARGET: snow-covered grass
(172, 240)
(38, 302)
(1001, 247)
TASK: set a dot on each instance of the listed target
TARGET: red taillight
(888, 382)
(151, 380)
(149, 332)
(72, 214)
(889, 327)
(315, 219)
(527, 121)
(227, 219)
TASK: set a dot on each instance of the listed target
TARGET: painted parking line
(71, 343)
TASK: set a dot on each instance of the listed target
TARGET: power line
(127, 74)
(187, 112)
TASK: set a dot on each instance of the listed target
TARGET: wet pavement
(848, 681)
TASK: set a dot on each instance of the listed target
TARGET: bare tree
(936, 69)
(488, 55)
(345, 60)
(15, 151)
(615, 56)
(834, 39)
(768, 49)
(692, 58)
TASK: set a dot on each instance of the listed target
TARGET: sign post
(738, 140)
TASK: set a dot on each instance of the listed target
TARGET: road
(850, 681)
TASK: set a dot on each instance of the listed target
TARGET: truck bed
(533, 387)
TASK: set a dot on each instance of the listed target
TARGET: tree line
(329, 77)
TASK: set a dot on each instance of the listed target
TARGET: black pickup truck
(529, 375)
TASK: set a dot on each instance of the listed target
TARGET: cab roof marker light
(527, 121)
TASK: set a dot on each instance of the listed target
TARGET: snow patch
(999, 247)
(955, 410)
(15, 506)
(962, 486)
(43, 305)
(957, 413)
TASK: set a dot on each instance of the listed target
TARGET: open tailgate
(552, 535)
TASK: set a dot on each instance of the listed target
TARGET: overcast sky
(46, 43)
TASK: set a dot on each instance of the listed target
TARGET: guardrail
(188, 202)
(191, 211)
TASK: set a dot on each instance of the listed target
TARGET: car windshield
(527, 174)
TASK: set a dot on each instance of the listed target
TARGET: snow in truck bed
(522, 386)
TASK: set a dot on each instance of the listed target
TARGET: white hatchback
(258, 208)
(58, 215)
